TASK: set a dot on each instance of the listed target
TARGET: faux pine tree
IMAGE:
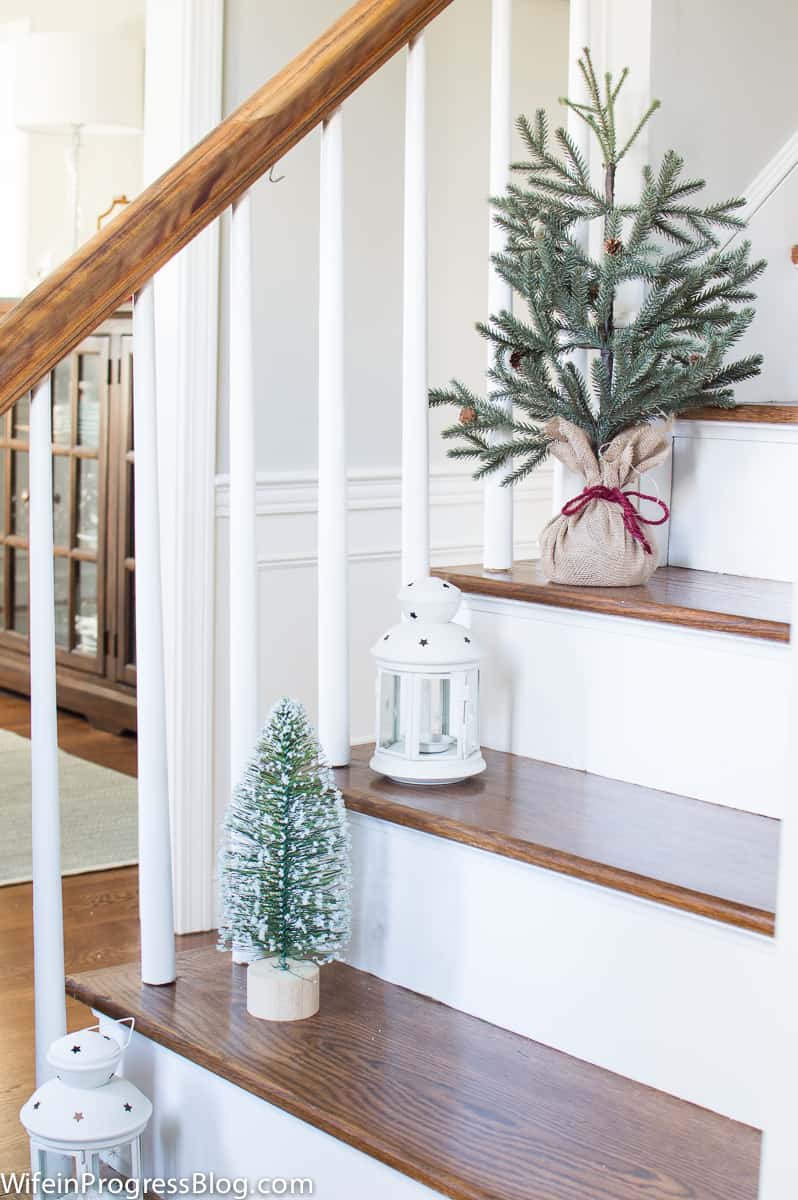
(285, 868)
(670, 355)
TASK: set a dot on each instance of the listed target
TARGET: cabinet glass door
(122, 560)
(79, 413)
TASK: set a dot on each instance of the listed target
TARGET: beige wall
(261, 35)
(725, 72)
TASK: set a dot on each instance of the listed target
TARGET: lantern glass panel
(391, 719)
(471, 714)
(435, 719)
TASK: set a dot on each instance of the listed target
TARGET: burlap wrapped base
(593, 547)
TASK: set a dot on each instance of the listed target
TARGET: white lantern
(87, 1117)
(427, 691)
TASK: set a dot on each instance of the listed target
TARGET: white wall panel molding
(287, 506)
(287, 493)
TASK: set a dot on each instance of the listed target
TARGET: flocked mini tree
(668, 357)
(285, 869)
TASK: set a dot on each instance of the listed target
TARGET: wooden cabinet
(94, 567)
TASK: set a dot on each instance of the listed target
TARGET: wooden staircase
(466, 1109)
(701, 858)
(560, 973)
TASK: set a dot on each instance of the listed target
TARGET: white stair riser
(202, 1124)
(663, 997)
(700, 714)
(733, 498)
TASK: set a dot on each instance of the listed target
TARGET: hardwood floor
(100, 929)
(75, 735)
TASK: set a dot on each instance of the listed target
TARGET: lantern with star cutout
(87, 1121)
(428, 690)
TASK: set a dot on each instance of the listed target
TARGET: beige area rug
(98, 814)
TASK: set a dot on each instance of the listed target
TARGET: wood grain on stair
(758, 608)
(702, 858)
(464, 1107)
(756, 414)
(78, 295)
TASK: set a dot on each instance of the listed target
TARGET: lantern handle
(130, 1021)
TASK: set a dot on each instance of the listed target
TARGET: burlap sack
(593, 545)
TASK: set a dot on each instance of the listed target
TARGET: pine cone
(613, 246)
(695, 358)
(516, 358)
(593, 292)
(468, 415)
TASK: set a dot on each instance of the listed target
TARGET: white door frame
(183, 100)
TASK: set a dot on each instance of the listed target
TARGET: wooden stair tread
(758, 608)
(702, 858)
(757, 414)
(465, 1107)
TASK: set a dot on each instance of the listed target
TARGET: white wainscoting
(286, 545)
(733, 498)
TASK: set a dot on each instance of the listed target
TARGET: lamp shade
(68, 80)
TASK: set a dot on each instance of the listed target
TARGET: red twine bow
(632, 519)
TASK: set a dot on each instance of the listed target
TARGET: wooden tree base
(276, 993)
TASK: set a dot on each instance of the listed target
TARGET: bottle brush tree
(285, 870)
(669, 356)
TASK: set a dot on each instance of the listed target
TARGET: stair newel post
(333, 620)
(48, 925)
(778, 1177)
(579, 132)
(415, 413)
(243, 578)
(498, 500)
(156, 908)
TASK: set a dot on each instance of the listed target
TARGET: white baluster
(498, 500)
(578, 38)
(156, 913)
(243, 587)
(415, 412)
(778, 1179)
(333, 631)
(48, 928)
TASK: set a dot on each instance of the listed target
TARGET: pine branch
(668, 356)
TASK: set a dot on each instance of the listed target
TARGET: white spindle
(498, 500)
(243, 588)
(333, 634)
(779, 1164)
(578, 38)
(48, 930)
(415, 413)
(156, 915)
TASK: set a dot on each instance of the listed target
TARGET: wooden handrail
(71, 302)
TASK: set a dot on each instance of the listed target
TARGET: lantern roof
(430, 599)
(78, 1058)
(96, 1116)
(415, 645)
